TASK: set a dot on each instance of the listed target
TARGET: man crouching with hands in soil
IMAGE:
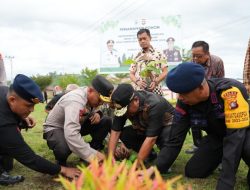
(74, 116)
(151, 117)
(16, 104)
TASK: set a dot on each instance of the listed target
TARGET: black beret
(103, 86)
(27, 89)
(110, 41)
(170, 39)
(185, 77)
(121, 97)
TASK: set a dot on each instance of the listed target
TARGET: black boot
(6, 179)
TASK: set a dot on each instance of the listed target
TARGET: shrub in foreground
(120, 176)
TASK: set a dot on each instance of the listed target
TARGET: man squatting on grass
(218, 106)
(151, 118)
(16, 104)
(76, 115)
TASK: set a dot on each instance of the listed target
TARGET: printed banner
(119, 41)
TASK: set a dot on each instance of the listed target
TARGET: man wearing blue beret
(214, 68)
(220, 108)
(16, 104)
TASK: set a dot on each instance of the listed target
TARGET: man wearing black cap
(172, 54)
(16, 103)
(75, 115)
(217, 106)
(151, 116)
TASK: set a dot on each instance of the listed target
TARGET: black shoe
(192, 150)
(6, 179)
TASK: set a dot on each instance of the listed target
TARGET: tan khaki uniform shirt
(66, 116)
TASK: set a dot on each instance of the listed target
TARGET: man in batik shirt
(147, 54)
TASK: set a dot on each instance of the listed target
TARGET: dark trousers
(206, 159)
(57, 142)
(246, 155)
(209, 155)
(197, 135)
(134, 139)
(6, 163)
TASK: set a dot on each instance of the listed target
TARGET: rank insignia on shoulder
(233, 105)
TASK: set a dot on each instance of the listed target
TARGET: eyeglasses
(198, 56)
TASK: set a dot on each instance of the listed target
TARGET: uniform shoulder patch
(236, 108)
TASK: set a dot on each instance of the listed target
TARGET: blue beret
(185, 77)
(27, 89)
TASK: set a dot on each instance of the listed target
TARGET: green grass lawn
(38, 181)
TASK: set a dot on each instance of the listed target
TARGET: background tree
(87, 75)
(42, 80)
(64, 80)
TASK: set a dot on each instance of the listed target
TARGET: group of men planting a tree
(206, 101)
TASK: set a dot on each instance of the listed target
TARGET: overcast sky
(63, 36)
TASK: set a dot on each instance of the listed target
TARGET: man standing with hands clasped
(147, 54)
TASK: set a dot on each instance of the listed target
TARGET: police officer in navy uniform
(172, 54)
(151, 117)
(217, 106)
(16, 103)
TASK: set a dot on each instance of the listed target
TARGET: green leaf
(129, 61)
